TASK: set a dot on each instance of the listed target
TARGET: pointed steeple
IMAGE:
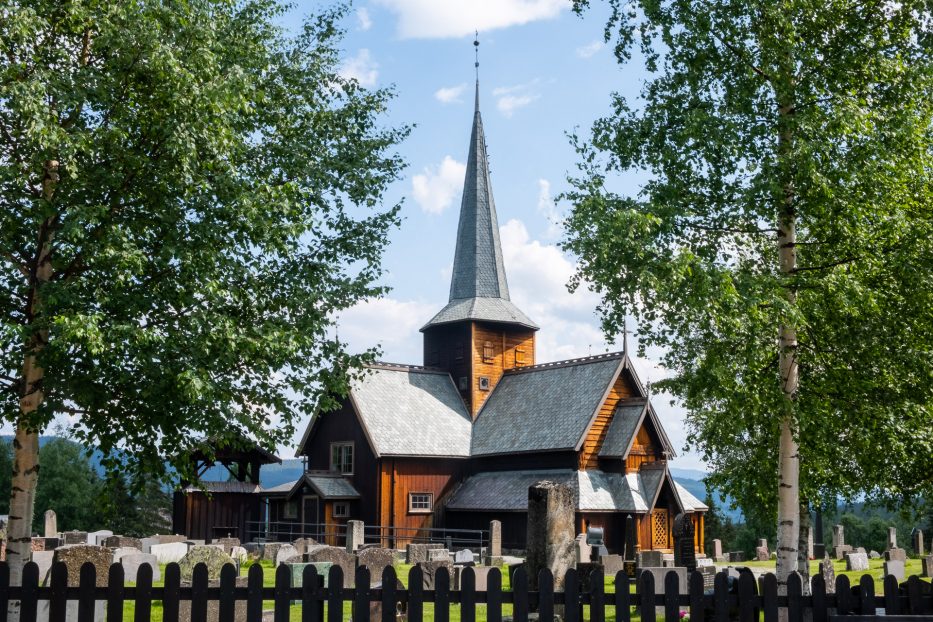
(478, 286)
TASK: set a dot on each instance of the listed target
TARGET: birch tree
(778, 250)
(187, 196)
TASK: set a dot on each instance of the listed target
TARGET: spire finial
(625, 336)
(476, 66)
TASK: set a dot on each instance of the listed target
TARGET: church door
(659, 529)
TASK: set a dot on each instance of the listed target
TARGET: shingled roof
(544, 407)
(478, 286)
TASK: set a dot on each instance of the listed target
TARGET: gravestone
(761, 554)
(227, 543)
(170, 552)
(96, 538)
(270, 550)
(717, 551)
(581, 549)
(115, 542)
(239, 555)
(927, 569)
(550, 532)
(337, 556)
(74, 537)
(894, 568)
(376, 559)
(190, 542)
(659, 576)
(809, 544)
(430, 569)
(874, 555)
(43, 560)
(736, 556)
(298, 568)
(856, 561)
(495, 543)
(631, 538)
(436, 555)
(132, 562)
(684, 551)
(51, 524)
(45, 544)
(611, 564)
(839, 552)
(829, 575)
(892, 538)
(286, 551)
(709, 577)
(839, 535)
(121, 552)
(211, 556)
(74, 556)
(415, 553)
(480, 574)
(303, 544)
(169, 538)
(649, 559)
(895, 554)
(917, 538)
(464, 557)
(355, 535)
(819, 550)
(146, 544)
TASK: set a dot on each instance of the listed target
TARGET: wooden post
(143, 593)
(226, 608)
(493, 597)
(58, 603)
(597, 596)
(312, 605)
(116, 591)
(623, 597)
(545, 596)
(254, 593)
(87, 581)
(172, 585)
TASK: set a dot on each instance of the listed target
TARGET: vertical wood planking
(58, 603)
(695, 590)
(843, 596)
(623, 598)
(597, 596)
(29, 602)
(199, 593)
(334, 601)
(360, 595)
(769, 595)
(493, 596)
(671, 592)
(892, 601)
(441, 595)
(143, 593)
(545, 596)
(312, 605)
(747, 597)
(866, 595)
(818, 591)
(87, 582)
(915, 595)
(520, 595)
(281, 601)
(226, 608)
(115, 593)
(572, 596)
(467, 595)
(794, 598)
(172, 586)
(721, 597)
(646, 593)
(389, 594)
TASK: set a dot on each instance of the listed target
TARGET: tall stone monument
(917, 537)
(550, 532)
(892, 538)
(631, 538)
(51, 524)
(684, 551)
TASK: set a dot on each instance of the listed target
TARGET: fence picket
(746, 596)
(892, 596)
(671, 593)
(416, 594)
(818, 591)
(623, 598)
(721, 597)
(545, 596)
(226, 608)
(360, 595)
(597, 596)
(254, 593)
(866, 595)
(646, 592)
(199, 593)
(442, 595)
(572, 596)
(170, 599)
(143, 593)
(389, 594)
(29, 601)
(467, 595)
(281, 602)
(58, 602)
(915, 595)
(312, 605)
(769, 595)
(87, 582)
(843, 596)
(493, 596)
(4, 591)
(334, 600)
(794, 598)
(115, 593)
(695, 591)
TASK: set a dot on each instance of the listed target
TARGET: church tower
(480, 333)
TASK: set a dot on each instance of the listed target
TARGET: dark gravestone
(631, 537)
(819, 550)
(828, 573)
(550, 532)
(684, 551)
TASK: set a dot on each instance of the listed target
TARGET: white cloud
(391, 324)
(449, 94)
(364, 21)
(511, 98)
(588, 50)
(435, 189)
(361, 68)
(548, 209)
(431, 19)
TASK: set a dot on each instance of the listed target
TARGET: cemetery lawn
(875, 569)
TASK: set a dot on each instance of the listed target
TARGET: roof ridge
(406, 367)
(567, 362)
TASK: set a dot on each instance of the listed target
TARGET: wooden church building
(457, 441)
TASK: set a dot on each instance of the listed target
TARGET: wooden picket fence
(911, 600)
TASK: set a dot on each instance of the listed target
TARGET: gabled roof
(326, 486)
(544, 407)
(690, 503)
(411, 411)
(481, 309)
(627, 419)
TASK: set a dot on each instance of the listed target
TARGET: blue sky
(543, 72)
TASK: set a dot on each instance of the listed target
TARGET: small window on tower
(458, 352)
(488, 353)
(519, 357)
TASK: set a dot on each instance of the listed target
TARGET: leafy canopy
(218, 200)
(693, 254)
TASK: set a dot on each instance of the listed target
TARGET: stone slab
(430, 569)
(659, 576)
(96, 538)
(895, 554)
(132, 562)
(76, 555)
(335, 555)
(213, 557)
(286, 551)
(169, 552)
(74, 537)
(121, 552)
(927, 566)
(376, 560)
(418, 552)
(856, 561)
(115, 542)
(612, 564)
(213, 606)
(649, 559)
(894, 567)
(43, 560)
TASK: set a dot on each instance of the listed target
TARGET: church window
(341, 458)
(488, 352)
(484, 383)
(341, 509)
(420, 502)
(519, 357)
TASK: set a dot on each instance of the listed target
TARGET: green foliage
(133, 510)
(750, 104)
(217, 202)
(69, 485)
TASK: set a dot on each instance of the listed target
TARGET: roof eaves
(362, 421)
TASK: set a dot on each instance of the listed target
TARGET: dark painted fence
(730, 600)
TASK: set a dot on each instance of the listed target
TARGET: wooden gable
(625, 386)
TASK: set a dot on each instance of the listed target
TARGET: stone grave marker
(550, 532)
(132, 562)
(169, 538)
(75, 555)
(213, 605)
(892, 538)
(436, 555)
(717, 551)
(169, 552)
(828, 571)
(270, 550)
(927, 569)
(45, 544)
(464, 557)
(303, 544)
(856, 561)
(631, 539)
(429, 571)
(894, 567)
(74, 537)
(51, 524)
(762, 554)
(286, 551)
(239, 554)
(418, 552)
(115, 542)
(612, 564)
(43, 560)
(227, 543)
(581, 549)
(495, 539)
(874, 555)
(917, 540)
(337, 556)
(839, 535)
(896, 555)
(211, 556)
(736, 556)
(649, 559)
(119, 553)
(375, 559)
(96, 538)
(145, 544)
(355, 535)
(661, 573)
(684, 551)
(839, 552)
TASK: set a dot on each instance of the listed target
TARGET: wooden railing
(729, 600)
